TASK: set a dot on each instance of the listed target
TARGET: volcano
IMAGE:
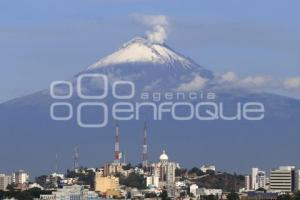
(30, 138)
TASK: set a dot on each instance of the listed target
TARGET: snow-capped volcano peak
(140, 50)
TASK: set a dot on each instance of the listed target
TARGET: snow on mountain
(152, 66)
(140, 50)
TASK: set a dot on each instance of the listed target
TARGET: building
(261, 180)
(20, 177)
(193, 189)
(35, 185)
(165, 171)
(253, 195)
(136, 194)
(298, 180)
(47, 197)
(206, 168)
(152, 181)
(107, 184)
(4, 181)
(74, 192)
(61, 176)
(254, 173)
(283, 179)
(267, 183)
(112, 169)
(247, 183)
(206, 192)
(256, 180)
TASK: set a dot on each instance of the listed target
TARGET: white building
(206, 192)
(20, 177)
(206, 168)
(297, 174)
(254, 173)
(193, 189)
(152, 181)
(47, 197)
(56, 175)
(165, 171)
(261, 180)
(180, 184)
(74, 192)
(35, 185)
(256, 180)
(136, 194)
(4, 181)
(247, 183)
(283, 179)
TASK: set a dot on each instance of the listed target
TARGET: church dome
(164, 156)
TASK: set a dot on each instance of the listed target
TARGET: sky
(43, 41)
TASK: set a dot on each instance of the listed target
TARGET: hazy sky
(43, 41)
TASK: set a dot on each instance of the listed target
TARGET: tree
(128, 195)
(150, 195)
(191, 195)
(210, 197)
(88, 179)
(133, 180)
(297, 196)
(261, 190)
(195, 171)
(164, 195)
(127, 167)
(2, 194)
(226, 182)
(210, 172)
(180, 172)
(182, 194)
(284, 197)
(23, 195)
(36, 192)
(233, 196)
(10, 187)
(41, 180)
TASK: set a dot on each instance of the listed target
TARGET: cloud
(196, 84)
(254, 81)
(228, 77)
(292, 83)
(231, 79)
(159, 25)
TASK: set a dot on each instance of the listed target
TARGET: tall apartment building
(254, 173)
(4, 181)
(283, 179)
(261, 180)
(256, 180)
(247, 183)
(165, 171)
(20, 177)
(298, 180)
